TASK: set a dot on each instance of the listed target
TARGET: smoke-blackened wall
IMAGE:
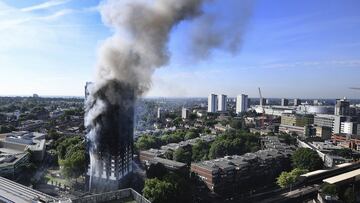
(116, 121)
(110, 139)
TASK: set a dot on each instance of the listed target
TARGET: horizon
(174, 97)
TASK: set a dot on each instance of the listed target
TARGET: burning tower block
(110, 110)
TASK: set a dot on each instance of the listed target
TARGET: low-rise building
(346, 140)
(25, 140)
(333, 160)
(241, 173)
(323, 132)
(30, 125)
(260, 131)
(147, 156)
(11, 163)
(305, 131)
(299, 120)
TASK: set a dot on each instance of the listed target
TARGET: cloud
(55, 15)
(45, 5)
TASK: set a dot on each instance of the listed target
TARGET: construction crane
(262, 110)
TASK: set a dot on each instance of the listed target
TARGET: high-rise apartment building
(263, 101)
(242, 104)
(160, 113)
(297, 102)
(222, 103)
(212, 103)
(110, 139)
(342, 107)
(284, 102)
(185, 113)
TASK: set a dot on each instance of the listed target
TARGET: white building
(347, 127)
(222, 103)
(242, 104)
(185, 113)
(297, 102)
(212, 103)
(159, 112)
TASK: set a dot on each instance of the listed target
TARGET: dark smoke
(127, 60)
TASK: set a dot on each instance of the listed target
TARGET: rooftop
(15, 192)
(343, 177)
(237, 161)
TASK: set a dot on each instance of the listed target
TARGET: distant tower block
(212, 103)
(342, 107)
(297, 102)
(222, 104)
(284, 102)
(242, 104)
(160, 113)
(263, 101)
(185, 113)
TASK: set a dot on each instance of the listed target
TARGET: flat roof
(313, 173)
(169, 163)
(18, 193)
(343, 177)
(343, 165)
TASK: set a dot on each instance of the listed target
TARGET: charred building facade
(110, 135)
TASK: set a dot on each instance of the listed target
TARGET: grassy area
(56, 180)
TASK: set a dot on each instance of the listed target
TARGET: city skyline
(289, 50)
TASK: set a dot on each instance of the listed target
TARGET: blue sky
(304, 48)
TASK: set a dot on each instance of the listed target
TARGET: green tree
(200, 151)
(234, 142)
(183, 155)
(288, 139)
(287, 179)
(169, 154)
(177, 121)
(74, 164)
(349, 195)
(173, 137)
(71, 156)
(52, 134)
(329, 189)
(146, 142)
(6, 128)
(191, 135)
(236, 123)
(192, 116)
(171, 188)
(306, 158)
(159, 191)
(218, 149)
